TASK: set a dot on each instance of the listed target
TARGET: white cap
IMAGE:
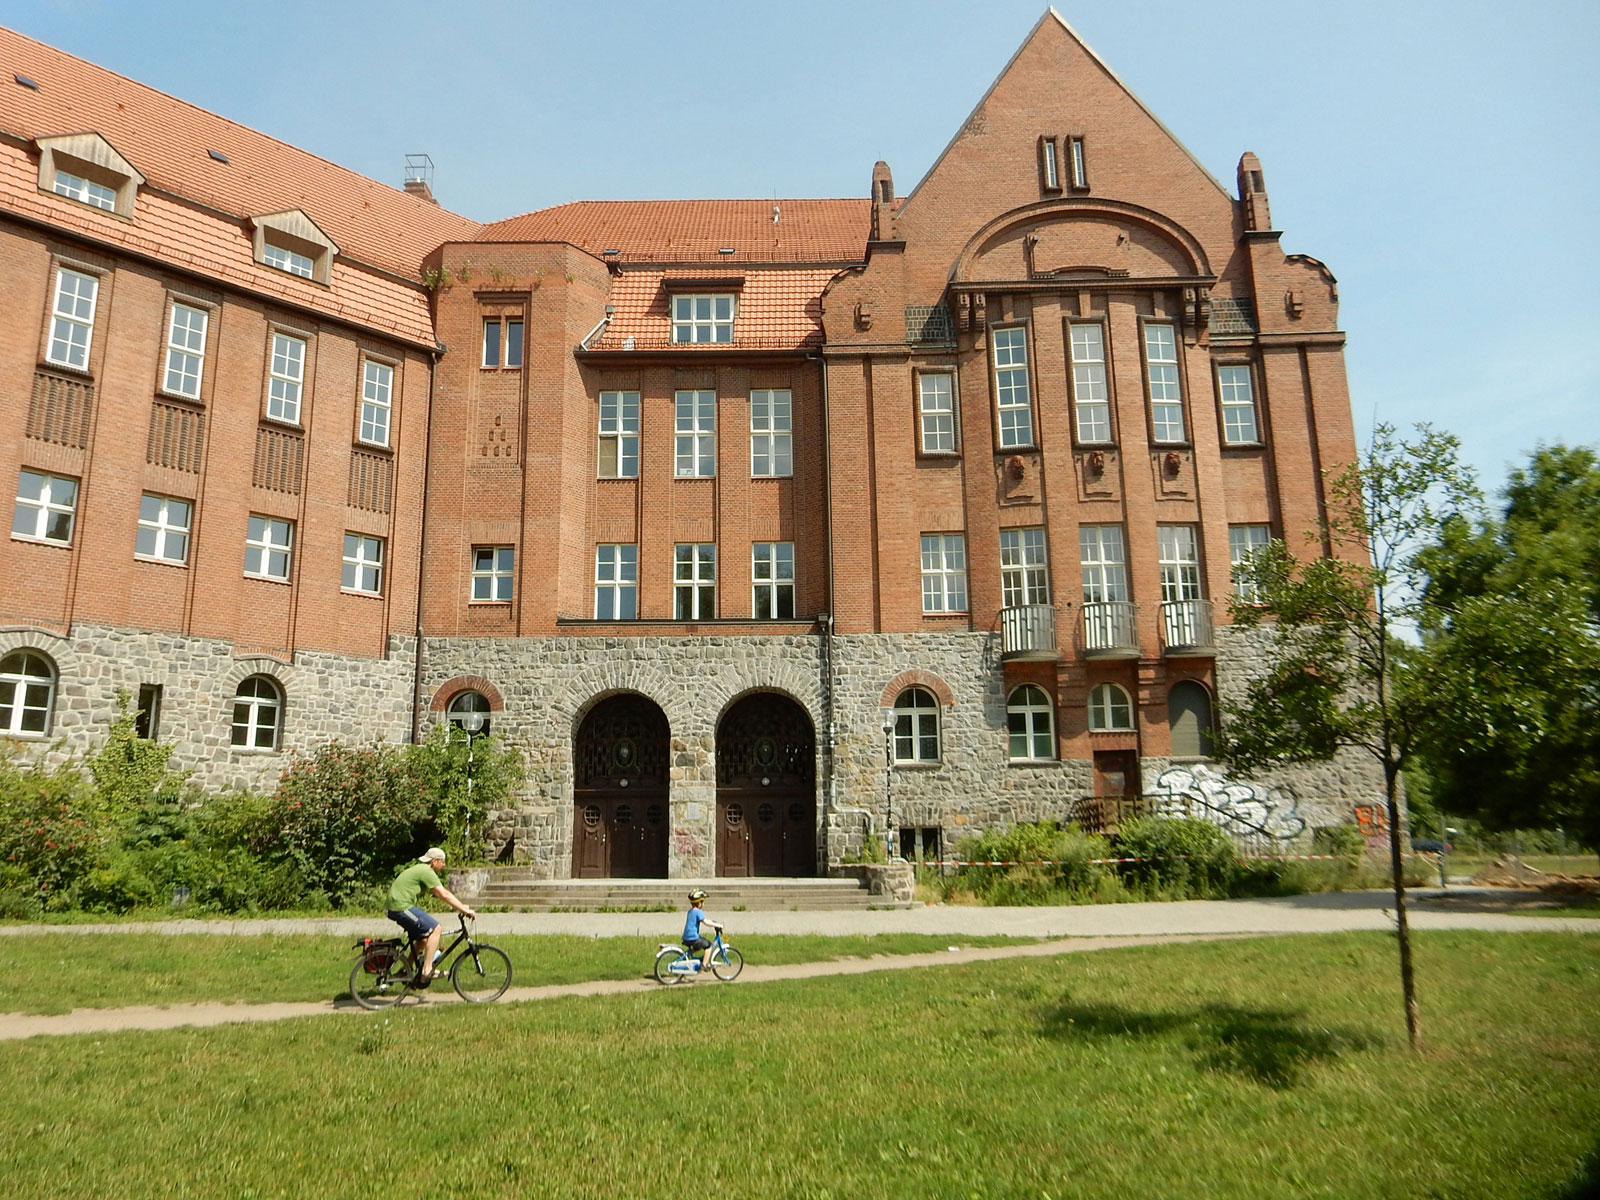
(433, 853)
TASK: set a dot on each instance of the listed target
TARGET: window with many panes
(186, 350)
(619, 435)
(1238, 405)
(377, 397)
(285, 374)
(492, 573)
(1104, 563)
(163, 529)
(698, 318)
(916, 727)
(1013, 400)
(616, 582)
(1024, 572)
(1179, 554)
(1030, 725)
(72, 319)
(1166, 395)
(944, 572)
(363, 564)
(46, 508)
(502, 342)
(76, 187)
(292, 261)
(936, 406)
(268, 546)
(772, 432)
(257, 714)
(694, 581)
(772, 581)
(1090, 397)
(27, 694)
(695, 429)
(1244, 543)
(1109, 708)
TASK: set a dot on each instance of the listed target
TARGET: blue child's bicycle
(675, 963)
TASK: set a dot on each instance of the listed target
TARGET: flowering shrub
(48, 834)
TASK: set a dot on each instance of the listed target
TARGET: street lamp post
(888, 785)
(470, 724)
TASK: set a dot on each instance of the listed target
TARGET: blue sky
(1439, 156)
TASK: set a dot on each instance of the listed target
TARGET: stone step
(514, 888)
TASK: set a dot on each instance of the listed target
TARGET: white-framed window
(27, 694)
(268, 547)
(377, 397)
(469, 712)
(616, 582)
(286, 374)
(694, 581)
(1024, 569)
(363, 564)
(502, 342)
(257, 714)
(76, 187)
(772, 581)
(916, 727)
(46, 508)
(1239, 424)
(1244, 542)
(1030, 725)
(163, 529)
(1178, 549)
(1050, 164)
(186, 350)
(1090, 396)
(1109, 708)
(72, 319)
(1166, 395)
(492, 573)
(292, 261)
(1077, 165)
(695, 428)
(1104, 561)
(771, 433)
(619, 435)
(702, 317)
(936, 407)
(1013, 398)
(944, 572)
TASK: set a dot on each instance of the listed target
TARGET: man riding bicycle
(408, 888)
(693, 938)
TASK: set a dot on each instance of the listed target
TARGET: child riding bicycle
(694, 923)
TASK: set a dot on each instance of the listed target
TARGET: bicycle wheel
(385, 984)
(481, 974)
(727, 965)
(664, 961)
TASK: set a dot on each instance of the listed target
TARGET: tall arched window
(469, 711)
(1031, 722)
(916, 727)
(1110, 708)
(257, 714)
(1189, 717)
(27, 693)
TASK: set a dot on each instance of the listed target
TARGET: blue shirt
(691, 927)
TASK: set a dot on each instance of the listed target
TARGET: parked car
(1430, 846)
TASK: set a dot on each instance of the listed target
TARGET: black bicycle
(385, 970)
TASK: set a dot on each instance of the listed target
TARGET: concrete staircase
(515, 888)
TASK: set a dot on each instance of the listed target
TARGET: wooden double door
(620, 811)
(766, 789)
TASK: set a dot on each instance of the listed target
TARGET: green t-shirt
(410, 886)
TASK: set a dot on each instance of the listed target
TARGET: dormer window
(291, 242)
(699, 317)
(87, 168)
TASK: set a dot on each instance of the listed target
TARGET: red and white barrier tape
(1047, 862)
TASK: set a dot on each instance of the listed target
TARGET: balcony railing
(1028, 631)
(1111, 629)
(1186, 627)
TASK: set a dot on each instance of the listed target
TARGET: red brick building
(757, 525)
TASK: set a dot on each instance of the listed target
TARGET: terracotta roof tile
(819, 231)
(779, 309)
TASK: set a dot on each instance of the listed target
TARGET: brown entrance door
(619, 808)
(1116, 785)
(766, 788)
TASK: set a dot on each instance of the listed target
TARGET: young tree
(1336, 674)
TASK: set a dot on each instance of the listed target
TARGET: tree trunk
(1408, 982)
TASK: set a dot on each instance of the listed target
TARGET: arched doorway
(1189, 718)
(766, 788)
(620, 814)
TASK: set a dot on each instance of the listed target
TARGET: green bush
(439, 767)
(1071, 878)
(1179, 858)
(1344, 840)
(48, 832)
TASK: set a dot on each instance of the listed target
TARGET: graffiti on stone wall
(1242, 809)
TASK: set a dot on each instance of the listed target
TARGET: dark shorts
(415, 922)
(698, 944)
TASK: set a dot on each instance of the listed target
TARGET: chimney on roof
(883, 205)
(419, 177)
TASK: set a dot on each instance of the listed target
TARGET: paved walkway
(1072, 930)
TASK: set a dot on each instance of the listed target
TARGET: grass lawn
(1463, 862)
(1265, 1068)
(55, 973)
